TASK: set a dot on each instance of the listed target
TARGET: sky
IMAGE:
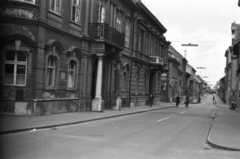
(203, 22)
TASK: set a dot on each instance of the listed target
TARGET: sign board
(172, 82)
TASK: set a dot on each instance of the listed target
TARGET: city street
(173, 133)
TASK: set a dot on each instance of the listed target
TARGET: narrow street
(168, 133)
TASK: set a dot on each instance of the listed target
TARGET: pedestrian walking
(177, 100)
(150, 100)
(187, 101)
(199, 99)
(214, 100)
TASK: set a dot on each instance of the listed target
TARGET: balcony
(102, 31)
(156, 60)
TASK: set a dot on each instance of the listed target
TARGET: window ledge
(54, 99)
(74, 26)
(19, 3)
(55, 17)
(72, 89)
(51, 88)
(14, 86)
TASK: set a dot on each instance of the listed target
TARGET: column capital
(100, 55)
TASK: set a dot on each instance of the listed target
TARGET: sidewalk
(16, 123)
(225, 129)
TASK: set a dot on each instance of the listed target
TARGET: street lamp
(201, 67)
(189, 44)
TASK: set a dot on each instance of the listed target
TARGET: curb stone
(77, 122)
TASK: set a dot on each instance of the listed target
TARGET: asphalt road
(174, 133)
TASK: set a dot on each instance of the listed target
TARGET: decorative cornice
(104, 1)
(120, 10)
(128, 16)
(144, 22)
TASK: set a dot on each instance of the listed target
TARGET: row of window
(148, 44)
(55, 6)
(16, 66)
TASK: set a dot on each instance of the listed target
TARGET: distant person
(177, 100)
(187, 101)
(150, 100)
(199, 99)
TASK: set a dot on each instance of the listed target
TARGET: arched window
(72, 73)
(51, 70)
(15, 68)
(52, 67)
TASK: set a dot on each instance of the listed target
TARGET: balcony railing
(156, 60)
(105, 32)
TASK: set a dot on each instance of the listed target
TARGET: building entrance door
(94, 78)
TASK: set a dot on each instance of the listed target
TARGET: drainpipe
(132, 40)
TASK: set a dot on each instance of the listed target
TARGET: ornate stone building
(149, 57)
(80, 55)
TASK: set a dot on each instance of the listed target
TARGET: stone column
(84, 82)
(117, 88)
(98, 102)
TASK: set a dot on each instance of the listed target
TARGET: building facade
(43, 64)
(173, 76)
(82, 55)
(149, 57)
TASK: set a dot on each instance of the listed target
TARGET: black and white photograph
(119, 79)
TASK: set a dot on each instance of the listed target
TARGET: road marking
(182, 112)
(163, 119)
(74, 137)
(192, 108)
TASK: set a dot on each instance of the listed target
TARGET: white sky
(203, 22)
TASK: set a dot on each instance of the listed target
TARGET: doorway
(94, 78)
